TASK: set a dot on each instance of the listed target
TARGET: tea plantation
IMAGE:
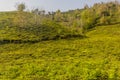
(95, 57)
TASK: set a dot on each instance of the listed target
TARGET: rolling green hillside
(80, 44)
(96, 57)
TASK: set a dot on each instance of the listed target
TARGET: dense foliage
(26, 26)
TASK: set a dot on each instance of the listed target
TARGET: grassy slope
(95, 57)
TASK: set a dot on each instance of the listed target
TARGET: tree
(21, 6)
(35, 11)
(88, 18)
(58, 15)
(86, 7)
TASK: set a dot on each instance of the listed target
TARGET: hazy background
(48, 5)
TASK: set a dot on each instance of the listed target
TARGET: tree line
(86, 18)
